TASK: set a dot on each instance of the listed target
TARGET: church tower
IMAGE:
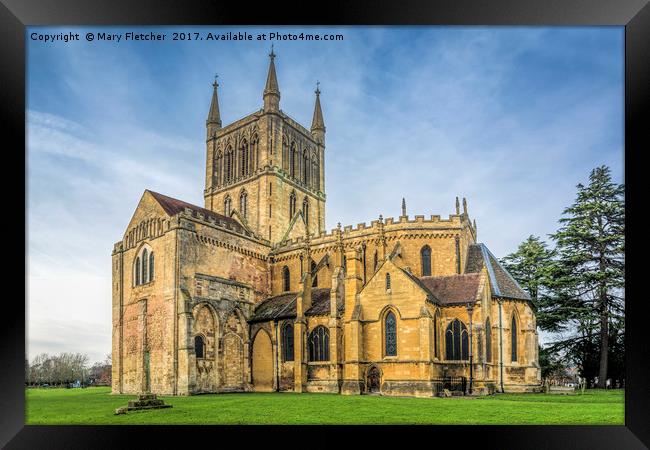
(266, 170)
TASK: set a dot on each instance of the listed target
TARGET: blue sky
(510, 117)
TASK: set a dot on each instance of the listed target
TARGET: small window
(137, 271)
(199, 346)
(387, 281)
(287, 342)
(286, 279)
(425, 256)
(151, 272)
(513, 344)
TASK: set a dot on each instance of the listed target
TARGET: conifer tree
(588, 279)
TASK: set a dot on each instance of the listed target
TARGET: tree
(532, 266)
(589, 276)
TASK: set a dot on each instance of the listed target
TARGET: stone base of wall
(408, 388)
(514, 388)
(326, 386)
(353, 387)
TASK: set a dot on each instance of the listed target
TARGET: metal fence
(453, 384)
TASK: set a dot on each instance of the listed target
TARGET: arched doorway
(374, 380)
(262, 362)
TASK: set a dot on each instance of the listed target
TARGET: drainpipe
(500, 346)
(277, 359)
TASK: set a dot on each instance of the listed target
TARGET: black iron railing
(452, 384)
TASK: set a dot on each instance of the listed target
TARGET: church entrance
(262, 362)
(374, 380)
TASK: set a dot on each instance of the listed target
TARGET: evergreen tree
(532, 266)
(589, 276)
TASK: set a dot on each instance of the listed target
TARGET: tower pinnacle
(317, 123)
(213, 122)
(271, 90)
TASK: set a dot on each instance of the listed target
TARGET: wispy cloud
(511, 118)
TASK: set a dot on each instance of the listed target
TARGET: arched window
(254, 158)
(316, 174)
(425, 255)
(456, 341)
(286, 279)
(319, 344)
(137, 271)
(292, 204)
(305, 210)
(488, 341)
(513, 339)
(243, 203)
(227, 206)
(390, 330)
(387, 281)
(145, 259)
(314, 279)
(244, 155)
(287, 342)
(217, 168)
(151, 266)
(305, 167)
(228, 165)
(292, 160)
(199, 347)
(285, 154)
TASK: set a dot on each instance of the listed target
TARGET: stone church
(250, 292)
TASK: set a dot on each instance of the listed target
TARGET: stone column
(353, 382)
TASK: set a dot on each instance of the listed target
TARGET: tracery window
(228, 165)
(513, 339)
(143, 269)
(199, 346)
(287, 342)
(286, 279)
(390, 334)
(456, 341)
(244, 153)
(305, 167)
(425, 255)
(292, 160)
(319, 344)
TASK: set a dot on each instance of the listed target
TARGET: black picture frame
(634, 15)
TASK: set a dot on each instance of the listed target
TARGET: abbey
(250, 292)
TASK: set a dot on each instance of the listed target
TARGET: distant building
(250, 292)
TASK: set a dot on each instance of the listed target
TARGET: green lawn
(97, 406)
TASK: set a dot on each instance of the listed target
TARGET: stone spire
(403, 207)
(317, 123)
(457, 206)
(214, 118)
(271, 90)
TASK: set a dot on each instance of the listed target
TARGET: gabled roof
(283, 306)
(173, 206)
(454, 288)
(502, 283)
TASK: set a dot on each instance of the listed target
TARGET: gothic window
(145, 258)
(314, 280)
(228, 165)
(513, 339)
(199, 347)
(305, 210)
(244, 154)
(456, 341)
(287, 342)
(316, 174)
(292, 204)
(217, 168)
(151, 266)
(387, 281)
(286, 279)
(243, 203)
(488, 341)
(319, 344)
(285, 154)
(425, 255)
(305, 167)
(137, 271)
(390, 330)
(293, 163)
(227, 204)
(254, 158)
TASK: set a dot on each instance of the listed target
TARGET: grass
(96, 406)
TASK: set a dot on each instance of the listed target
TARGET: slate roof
(173, 206)
(283, 306)
(453, 289)
(502, 283)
